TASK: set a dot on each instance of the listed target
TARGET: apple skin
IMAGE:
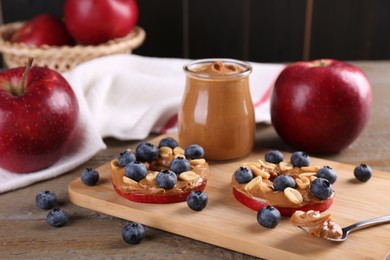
(43, 29)
(36, 127)
(92, 22)
(320, 106)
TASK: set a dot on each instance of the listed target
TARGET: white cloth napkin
(128, 97)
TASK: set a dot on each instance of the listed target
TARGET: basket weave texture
(62, 58)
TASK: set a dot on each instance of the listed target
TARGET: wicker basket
(62, 58)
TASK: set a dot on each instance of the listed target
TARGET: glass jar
(217, 110)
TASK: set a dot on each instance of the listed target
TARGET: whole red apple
(320, 106)
(43, 29)
(97, 21)
(38, 116)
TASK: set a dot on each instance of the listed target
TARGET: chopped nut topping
(293, 195)
(285, 166)
(151, 176)
(259, 172)
(188, 176)
(303, 182)
(196, 162)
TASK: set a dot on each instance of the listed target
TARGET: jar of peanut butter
(217, 110)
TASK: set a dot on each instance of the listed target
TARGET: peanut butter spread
(186, 181)
(316, 224)
(218, 68)
(261, 186)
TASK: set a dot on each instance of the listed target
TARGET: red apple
(320, 106)
(43, 29)
(38, 116)
(98, 21)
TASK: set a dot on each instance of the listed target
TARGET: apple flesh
(320, 106)
(43, 29)
(38, 116)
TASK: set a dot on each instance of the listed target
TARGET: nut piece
(178, 152)
(196, 162)
(259, 172)
(286, 166)
(188, 176)
(313, 168)
(151, 176)
(254, 183)
(303, 182)
(267, 165)
(165, 151)
(127, 180)
(264, 187)
(293, 195)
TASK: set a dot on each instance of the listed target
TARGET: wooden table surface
(25, 234)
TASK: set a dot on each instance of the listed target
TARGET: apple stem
(25, 73)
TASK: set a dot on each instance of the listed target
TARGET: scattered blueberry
(57, 217)
(136, 171)
(194, 151)
(146, 152)
(168, 142)
(269, 217)
(197, 200)
(133, 233)
(90, 177)
(321, 188)
(243, 175)
(46, 200)
(300, 159)
(179, 165)
(328, 173)
(274, 156)
(362, 172)
(125, 158)
(283, 181)
(166, 179)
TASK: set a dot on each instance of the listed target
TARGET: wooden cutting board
(229, 224)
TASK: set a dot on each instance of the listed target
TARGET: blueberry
(46, 200)
(146, 152)
(283, 181)
(243, 175)
(321, 188)
(125, 158)
(274, 156)
(136, 171)
(362, 172)
(328, 173)
(168, 142)
(90, 177)
(133, 233)
(269, 217)
(166, 179)
(197, 200)
(179, 165)
(300, 159)
(194, 151)
(57, 217)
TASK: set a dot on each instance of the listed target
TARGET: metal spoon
(357, 226)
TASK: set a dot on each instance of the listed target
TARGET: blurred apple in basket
(43, 29)
(320, 106)
(92, 22)
(38, 116)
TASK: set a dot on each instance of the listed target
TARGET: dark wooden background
(254, 30)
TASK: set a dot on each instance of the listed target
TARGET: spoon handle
(367, 223)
